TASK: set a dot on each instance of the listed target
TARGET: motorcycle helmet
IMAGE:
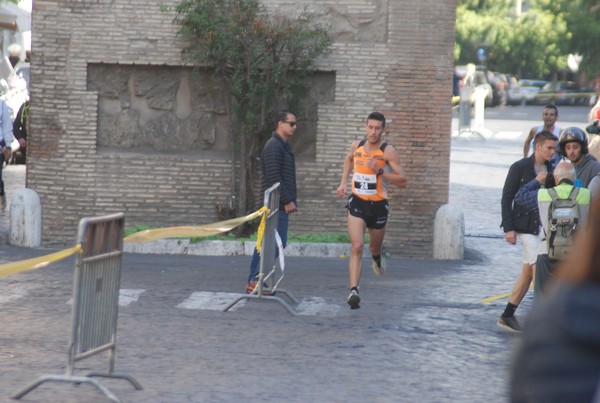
(573, 134)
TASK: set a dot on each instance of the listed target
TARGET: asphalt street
(422, 333)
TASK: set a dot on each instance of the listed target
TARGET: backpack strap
(573, 197)
(361, 143)
(383, 146)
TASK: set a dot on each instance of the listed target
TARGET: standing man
(375, 164)
(6, 139)
(549, 117)
(573, 143)
(278, 165)
(521, 222)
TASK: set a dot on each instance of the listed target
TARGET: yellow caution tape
(261, 229)
(495, 298)
(142, 236)
(192, 231)
(501, 296)
(37, 262)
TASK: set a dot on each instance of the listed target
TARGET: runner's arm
(348, 161)
(527, 143)
(396, 176)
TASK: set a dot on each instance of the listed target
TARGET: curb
(234, 248)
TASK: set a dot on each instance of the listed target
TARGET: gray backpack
(563, 222)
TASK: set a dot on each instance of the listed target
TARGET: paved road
(422, 333)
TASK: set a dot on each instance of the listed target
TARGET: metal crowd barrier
(95, 302)
(272, 265)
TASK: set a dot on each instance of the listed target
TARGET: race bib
(365, 184)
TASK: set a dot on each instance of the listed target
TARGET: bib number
(365, 184)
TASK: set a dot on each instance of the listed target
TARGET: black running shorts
(374, 213)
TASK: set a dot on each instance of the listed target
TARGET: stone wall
(103, 141)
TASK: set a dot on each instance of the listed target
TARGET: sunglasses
(292, 123)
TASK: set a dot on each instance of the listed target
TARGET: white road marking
(126, 296)
(216, 301)
(317, 306)
(508, 135)
(10, 292)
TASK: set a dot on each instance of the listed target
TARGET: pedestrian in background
(374, 164)
(278, 165)
(20, 130)
(558, 358)
(6, 139)
(549, 118)
(522, 222)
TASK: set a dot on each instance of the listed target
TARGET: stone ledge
(235, 248)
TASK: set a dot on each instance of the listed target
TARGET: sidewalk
(422, 333)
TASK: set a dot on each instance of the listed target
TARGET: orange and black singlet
(366, 184)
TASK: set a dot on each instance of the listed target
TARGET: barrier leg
(287, 306)
(73, 379)
(115, 375)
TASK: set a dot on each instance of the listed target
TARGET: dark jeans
(282, 229)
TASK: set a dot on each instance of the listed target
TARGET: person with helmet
(573, 143)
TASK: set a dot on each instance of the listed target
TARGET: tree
(583, 19)
(533, 43)
(261, 59)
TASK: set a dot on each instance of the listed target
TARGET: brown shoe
(252, 285)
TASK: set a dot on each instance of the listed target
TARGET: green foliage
(583, 18)
(533, 44)
(262, 59)
(292, 237)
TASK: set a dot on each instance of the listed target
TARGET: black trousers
(544, 269)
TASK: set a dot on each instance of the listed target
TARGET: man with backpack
(564, 212)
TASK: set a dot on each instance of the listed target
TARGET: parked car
(529, 88)
(564, 93)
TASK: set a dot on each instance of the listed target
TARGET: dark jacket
(558, 359)
(278, 165)
(520, 173)
(587, 168)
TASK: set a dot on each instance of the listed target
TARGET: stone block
(25, 219)
(449, 233)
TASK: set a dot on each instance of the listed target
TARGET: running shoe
(379, 269)
(354, 300)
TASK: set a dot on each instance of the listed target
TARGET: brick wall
(390, 55)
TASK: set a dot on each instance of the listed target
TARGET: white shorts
(529, 245)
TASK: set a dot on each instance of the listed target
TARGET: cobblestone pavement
(422, 333)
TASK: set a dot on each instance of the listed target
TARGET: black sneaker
(354, 300)
(510, 323)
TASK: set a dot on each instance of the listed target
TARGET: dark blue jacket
(520, 173)
(278, 165)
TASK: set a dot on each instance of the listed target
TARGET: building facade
(119, 124)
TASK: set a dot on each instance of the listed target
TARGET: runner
(375, 164)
